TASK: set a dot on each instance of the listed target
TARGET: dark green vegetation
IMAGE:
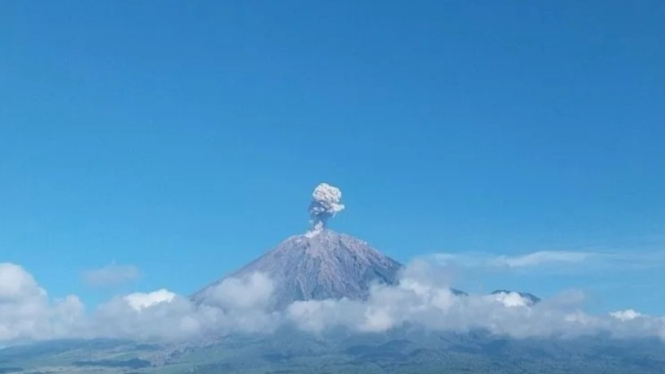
(293, 352)
(134, 363)
(10, 370)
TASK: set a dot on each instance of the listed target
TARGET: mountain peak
(320, 264)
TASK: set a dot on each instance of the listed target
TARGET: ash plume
(326, 202)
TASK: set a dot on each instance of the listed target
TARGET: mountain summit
(321, 264)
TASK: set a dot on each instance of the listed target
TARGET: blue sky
(185, 138)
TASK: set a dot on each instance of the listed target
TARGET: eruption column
(326, 202)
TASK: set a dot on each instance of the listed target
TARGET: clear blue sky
(185, 137)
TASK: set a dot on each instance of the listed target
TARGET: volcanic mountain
(321, 264)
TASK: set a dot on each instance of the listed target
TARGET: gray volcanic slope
(317, 266)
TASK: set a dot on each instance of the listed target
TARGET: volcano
(321, 264)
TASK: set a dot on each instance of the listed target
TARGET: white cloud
(26, 312)
(626, 315)
(110, 275)
(431, 304)
(243, 305)
(139, 301)
(541, 258)
(159, 315)
(235, 305)
(623, 260)
(250, 292)
(16, 284)
(516, 261)
(511, 299)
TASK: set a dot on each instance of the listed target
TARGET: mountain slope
(398, 351)
(319, 265)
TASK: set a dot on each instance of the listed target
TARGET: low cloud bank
(422, 297)
(26, 311)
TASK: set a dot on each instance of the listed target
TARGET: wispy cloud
(110, 275)
(541, 258)
(627, 260)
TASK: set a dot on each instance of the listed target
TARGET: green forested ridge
(293, 352)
